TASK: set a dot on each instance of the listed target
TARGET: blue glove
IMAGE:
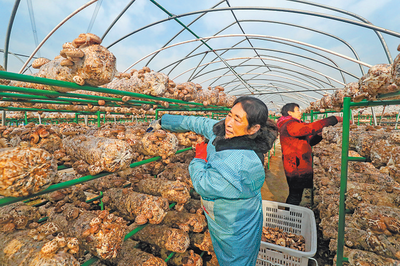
(154, 125)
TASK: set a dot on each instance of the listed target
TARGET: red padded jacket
(296, 139)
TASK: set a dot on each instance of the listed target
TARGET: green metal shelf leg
(343, 179)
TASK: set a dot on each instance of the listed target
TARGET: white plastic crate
(290, 218)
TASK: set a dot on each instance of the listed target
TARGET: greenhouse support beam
(10, 24)
(373, 116)
(98, 119)
(383, 112)
(40, 119)
(382, 40)
(397, 120)
(343, 179)
(204, 43)
(3, 117)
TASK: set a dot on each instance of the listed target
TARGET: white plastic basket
(290, 218)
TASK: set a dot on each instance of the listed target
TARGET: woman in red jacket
(296, 139)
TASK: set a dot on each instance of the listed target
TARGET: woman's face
(236, 122)
(296, 113)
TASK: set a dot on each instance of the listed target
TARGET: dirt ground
(275, 186)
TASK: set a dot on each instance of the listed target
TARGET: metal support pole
(40, 119)
(86, 117)
(312, 116)
(373, 116)
(98, 119)
(76, 118)
(115, 119)
(26, 119)
(343, 180)
(383, 112)
(397, 120)
(3, 118)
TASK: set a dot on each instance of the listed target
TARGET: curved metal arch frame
(176, 35)
(282, 86)
(17, 55)
(277, 67)
(298, 64)
(314, 79)
(117, 18)
(263, 49)
(258, 66)
(382, 40)
(302, 98)
(255, 35)
(267, 80)
(273, 59)
(309, 13)
(204, 43)
(8, 33)
(247, 39)
(377, 31)
(266, 49)
(264, 74)
(262, 93)
(354, 22)
(294, 25)
(289, 44)
(304, 101)
(54, 30)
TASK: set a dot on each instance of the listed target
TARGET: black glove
(154, 125)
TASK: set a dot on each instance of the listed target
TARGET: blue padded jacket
(230, 186)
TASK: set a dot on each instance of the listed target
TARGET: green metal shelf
(58, 83)
(347, 104)
(29, 95)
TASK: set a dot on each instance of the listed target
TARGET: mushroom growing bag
(25, 171)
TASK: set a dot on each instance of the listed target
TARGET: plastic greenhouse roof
(280, 51)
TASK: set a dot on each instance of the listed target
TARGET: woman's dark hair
(288, 107)
(256, 110)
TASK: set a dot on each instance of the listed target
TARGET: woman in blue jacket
(228, 173)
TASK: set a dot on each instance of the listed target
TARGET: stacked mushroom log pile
(18, 248)
(17, 216)
(380, 79)
(98, 232)
(168, 230)
(373, 195)
(24, 240)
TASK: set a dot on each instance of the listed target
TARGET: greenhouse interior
(156, 132)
